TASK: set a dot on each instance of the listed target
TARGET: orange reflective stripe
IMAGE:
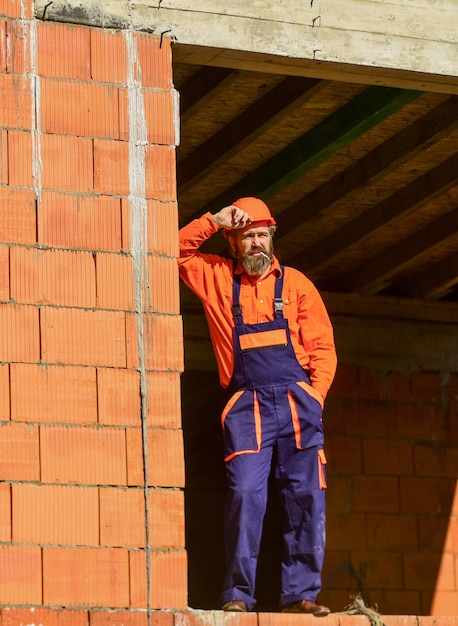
(311, 391)
(321, 462)
(295, 417)
(229, 405)
(257, 420)
(263, 339)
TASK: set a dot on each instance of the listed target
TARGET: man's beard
(255, 265)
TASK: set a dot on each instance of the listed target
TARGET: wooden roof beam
(206, 83)
(435, 282)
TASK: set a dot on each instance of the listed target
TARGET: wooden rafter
(436, 281)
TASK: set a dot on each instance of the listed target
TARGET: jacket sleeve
(317, 337)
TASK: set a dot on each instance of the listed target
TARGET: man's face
(253, 248)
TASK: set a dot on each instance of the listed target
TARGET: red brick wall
(91, 447)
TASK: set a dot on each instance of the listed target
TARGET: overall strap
(278, 302)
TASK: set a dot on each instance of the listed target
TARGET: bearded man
(274, 347)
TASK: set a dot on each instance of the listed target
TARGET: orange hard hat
(257, 209)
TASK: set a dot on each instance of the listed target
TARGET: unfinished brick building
(112, 131)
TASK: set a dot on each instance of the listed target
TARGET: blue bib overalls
(272, 408)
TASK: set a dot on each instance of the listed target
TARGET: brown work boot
(236, 605)
(306, 606)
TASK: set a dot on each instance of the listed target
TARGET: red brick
(397, 604)
(364, 419)
(43, 617)
(135, 467)
(122, 517)
(165, 458)
(119, 618)
(344, 455)
(18, 59)
(281, 619)
(138, 579)
(83, 455)
(80, 337)
(372, 386)
(10, 8)
(18, 219)
(20, 575)
(437, 460)
(155, 59)
(400, 620)
(417, 421)
(163, 227)
(86, 577)
(163, 340)
(445, 603)
(108, 56)
(398, 387)
(119, 396)
(61, 515)
(71, 221)
(59, 277)
(426, 495)
(429, 571)
(64, 51)
(379, 570)
(111, 167)
(67, 162)
(16, 103)
(391, 533)
(5, 512)
(163, 400)
(19, 452)
(427, 387)
(388, 457)
(166, 518)
(53, 394)
(162, 293)
(338, 494)
(115, 289)
(161, 113)
(375, 494)
(4, 392)
(161, 173)
(79, 108)
(437, 533)
(336, 567)
(346, 532)
(168, 580)
(346, 382)
(3, 153)
(20, 159)
(19, 333)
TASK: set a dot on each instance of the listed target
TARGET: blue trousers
(299, 476)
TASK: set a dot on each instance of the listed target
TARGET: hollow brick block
(18, 57)
(63, 51)
(135, 465)
(3, 151)
(162, 227)
(86, 577)
(165, 458)
(388, 457)
(21, 154)
(379, 570)
(83, 455)
(120, 618)
(155, 58)
(82, 337)
(16, 109)
(445, 603)
(58, 277)
(166, 518)
(61, 515)
(4, 273)
(115, 288)
(53, 393)
(119, 396)
(161, 112)
(347, 531)
(162, 342)
(19, 334)
(111, 167)
(422, 495)
(391, 533)
(19, 452)
(168, 579)
(18, 218)
(20, 575)
(67, 162)
(138, 579)
(163, 403)
(108, 56)
(5, 512)
(122, 517)
(375, 494)
(4, 392)
(78, 221)
(43, 616)
(162, 293)
(429, 571)
(79, 108)
(10, 8)
(161, 172)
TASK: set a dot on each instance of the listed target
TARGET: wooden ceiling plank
(243, 130)
(435, 282)
(310, 150)
(327, 250)
(386, 264)
(409, 142)
(204, 84)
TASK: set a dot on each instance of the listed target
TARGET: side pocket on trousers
(241, 422)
